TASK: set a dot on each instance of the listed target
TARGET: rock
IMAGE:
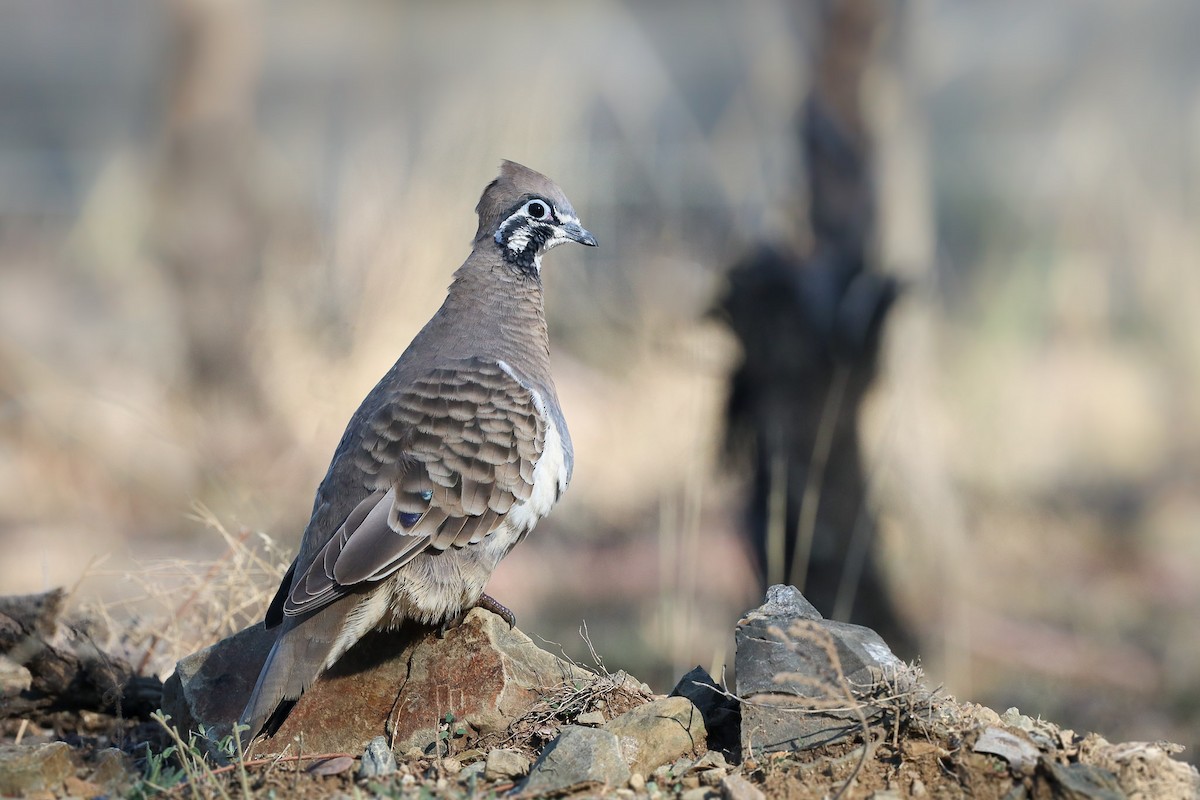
(1020, 754)
(658, 732)
(787, 603)
(25, 769)
(784, 669)
(378, 760)
(713, 759)
(699, 793)
(1144, 769)
(1082, 781)
(472, 771)
(210, 687)
(722, 714)
(637, 782)
(112, 770)
(590, 718)
(506, 765)
(400, 684)
(14, 678)
(736, 787)
(579, 756)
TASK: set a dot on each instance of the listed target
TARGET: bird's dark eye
(537, 210)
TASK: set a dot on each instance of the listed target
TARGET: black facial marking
(532, 237)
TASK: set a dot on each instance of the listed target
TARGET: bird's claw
(490, 603)
(486, 602)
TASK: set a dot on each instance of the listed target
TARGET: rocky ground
(817, 709)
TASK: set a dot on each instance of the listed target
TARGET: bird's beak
(576, 233)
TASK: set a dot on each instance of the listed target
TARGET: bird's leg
(494, 606)
(486, 602)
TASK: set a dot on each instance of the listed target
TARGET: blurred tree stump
(50, 663)
(810, 326)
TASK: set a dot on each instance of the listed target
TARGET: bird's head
(524, 214)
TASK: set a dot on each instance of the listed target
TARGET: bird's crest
(515, 184)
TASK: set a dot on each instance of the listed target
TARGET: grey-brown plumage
(450, 460)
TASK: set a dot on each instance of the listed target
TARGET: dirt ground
(925, 744)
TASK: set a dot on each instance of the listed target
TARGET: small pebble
(736, 787)
(451, 765)
(918, 788)
(713, 759)
(681, 766)
(637, 782)
(506, 765)
(473, 770)
(378, 760)
(590, 718)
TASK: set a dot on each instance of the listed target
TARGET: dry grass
(180, 606)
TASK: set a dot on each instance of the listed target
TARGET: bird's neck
(500, 309)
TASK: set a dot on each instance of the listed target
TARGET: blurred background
(221, 221)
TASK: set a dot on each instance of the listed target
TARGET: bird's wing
(445, 459)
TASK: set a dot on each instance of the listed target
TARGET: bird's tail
(300, 654)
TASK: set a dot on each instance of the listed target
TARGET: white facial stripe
(520, 234)
(519, 239)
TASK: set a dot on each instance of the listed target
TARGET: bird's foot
(493, 605)
(485, 602)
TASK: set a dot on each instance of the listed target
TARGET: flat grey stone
(659, 732)
(1083, 782)
(736, 787)
(579, 756)
(506, 765)
(1020, 753)
(472, 771)
(378, 760)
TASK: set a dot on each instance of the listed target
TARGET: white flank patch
(549, 474)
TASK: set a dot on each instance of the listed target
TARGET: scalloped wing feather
(447, 459)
